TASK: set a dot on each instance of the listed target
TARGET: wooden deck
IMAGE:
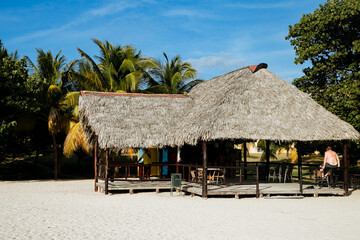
(266, 189)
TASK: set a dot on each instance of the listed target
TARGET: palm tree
(119, 69)
(173, 77)
(74, 138)
(54, 73)
(273, 149)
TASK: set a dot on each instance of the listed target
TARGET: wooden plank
(213, 190)
(284, 197)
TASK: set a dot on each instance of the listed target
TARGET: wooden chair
(211, 177)
(193, 175)
(220, 177)
(321, 182)
(199, 175)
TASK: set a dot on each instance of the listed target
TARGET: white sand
(72, 210)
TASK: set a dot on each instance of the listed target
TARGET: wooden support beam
(345, 165)
(299, 152)
(95, 164)
(178, 159)
(267, 157)
(107, 172)
(257, 182)
(204, 180)
(245, 161)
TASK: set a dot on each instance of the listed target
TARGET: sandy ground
(72, 210)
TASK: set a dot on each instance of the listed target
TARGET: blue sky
(215, 36)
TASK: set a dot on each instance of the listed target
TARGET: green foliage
(273, 150)
(328, 38)
(119, 69)
(18, 96)
(173, 77)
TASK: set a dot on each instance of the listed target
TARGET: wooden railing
(130, 170)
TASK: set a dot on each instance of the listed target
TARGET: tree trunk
(60, 160)
(36, 162)
(55, 157)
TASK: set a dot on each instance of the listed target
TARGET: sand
(72, 210)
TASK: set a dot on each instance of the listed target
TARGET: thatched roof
(122, 120)
(250, 103)
(258, 105)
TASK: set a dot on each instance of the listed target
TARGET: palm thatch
(258, 105)
(243, 104)
(122, 120)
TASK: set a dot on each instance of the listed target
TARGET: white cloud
(262, 5)
(110, 9)
(221, 63)
(187, 13)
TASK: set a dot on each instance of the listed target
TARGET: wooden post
(107, 172)
(267, 157)
(177, 159)
(240, 175)
(345, 163)
(204, 180)
(240, 165)
(257, 182)
(189, 177)
(160, 171)
(95, 164)
(300, 167)
(245, 161)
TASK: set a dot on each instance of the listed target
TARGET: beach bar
(247, 104)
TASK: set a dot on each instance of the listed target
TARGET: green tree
(273, 150)
(328, 39)
(172, 77)
(55, 74)
(18, 98)
(118, 69)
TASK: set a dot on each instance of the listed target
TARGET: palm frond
(127, 65)
(74, 139)
(70, 100)
(188, 86)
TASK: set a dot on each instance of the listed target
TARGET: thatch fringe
(122, 121)
(237, 105)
